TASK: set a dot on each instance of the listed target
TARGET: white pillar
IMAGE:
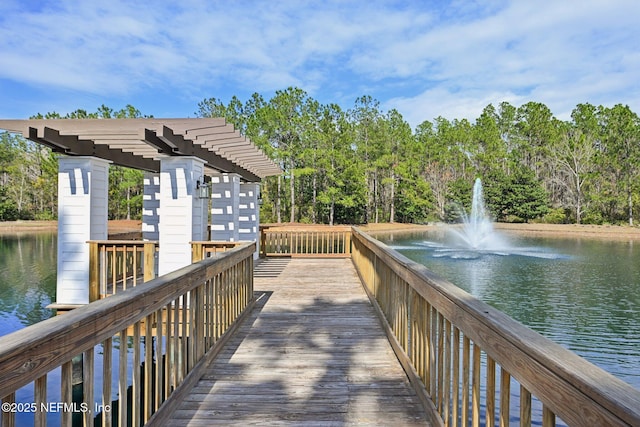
(182, 215)
(83, 190)
(225, 200)
(150, 205)
(249, 215)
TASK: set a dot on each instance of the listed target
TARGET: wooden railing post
(149, 261)
(94, 272)
(263, 242)
(197, 251)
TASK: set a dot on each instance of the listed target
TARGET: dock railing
(306, 241)
(127, 353)
(116, 265)
(474, 364)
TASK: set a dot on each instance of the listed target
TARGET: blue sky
(424, 58)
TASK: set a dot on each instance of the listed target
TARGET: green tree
(366, 119)
(521, 197)
(574, 157)
(622, 142)
(8, 209)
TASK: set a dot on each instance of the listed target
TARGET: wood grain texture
(311, 353)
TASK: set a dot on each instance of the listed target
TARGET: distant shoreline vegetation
(604, 232)
(366, 165)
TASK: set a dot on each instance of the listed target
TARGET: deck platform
(312, 352)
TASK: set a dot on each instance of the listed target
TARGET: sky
(424, 58)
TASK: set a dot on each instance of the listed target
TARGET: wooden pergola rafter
(142, 143)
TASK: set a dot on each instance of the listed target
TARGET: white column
(181, 211)
(83, 190)
(150, 205)
(249, 215)
(225, 200)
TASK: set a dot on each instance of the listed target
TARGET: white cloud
(449, 59)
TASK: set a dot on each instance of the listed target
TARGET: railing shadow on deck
(327, 389)
(177, 322)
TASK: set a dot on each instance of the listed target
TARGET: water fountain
(475, 237)
(477, 229)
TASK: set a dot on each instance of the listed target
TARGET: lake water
(581, 293)
(27, 279)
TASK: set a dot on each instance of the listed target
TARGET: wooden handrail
(182, 315)
(437, 327)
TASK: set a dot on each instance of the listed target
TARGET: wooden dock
(311, 353)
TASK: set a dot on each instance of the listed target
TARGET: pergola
(176, 155)
(142, 143)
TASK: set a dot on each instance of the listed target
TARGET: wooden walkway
(312, 353)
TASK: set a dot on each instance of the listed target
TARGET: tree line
(365, 164)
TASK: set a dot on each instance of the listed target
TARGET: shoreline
(607, 232)
(602, 232)
(22, 227)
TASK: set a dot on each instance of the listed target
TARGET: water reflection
(587, 300)
(27, 279)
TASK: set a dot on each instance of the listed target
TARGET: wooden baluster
(9, 417)
(66, 392)
(548, 417)
(103, 270)
(107, 375)
(466, 350)
(122, 379)
(159, 389)
(525, 407)
(147, 398)
(193, 339)
(505, 397)
(440, 363)
(476, 398)
(431, 373)
(134, 264)
(491, 392)
(456, 377)
(184, 350)
(123, 254)
(447, 369)
(136, 385)
(87, 385)
(199, 323)
(40, 400)
(177, 342)
(114, 274)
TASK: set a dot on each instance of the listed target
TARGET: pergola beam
(142, 143)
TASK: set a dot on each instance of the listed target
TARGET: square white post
(182, 218)
(249, 215)
(83, 191)
(225, 200)
(150, 206)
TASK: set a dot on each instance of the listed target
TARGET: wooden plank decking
(312, 353)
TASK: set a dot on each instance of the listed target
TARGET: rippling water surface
(27, 279)
(583, 294)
